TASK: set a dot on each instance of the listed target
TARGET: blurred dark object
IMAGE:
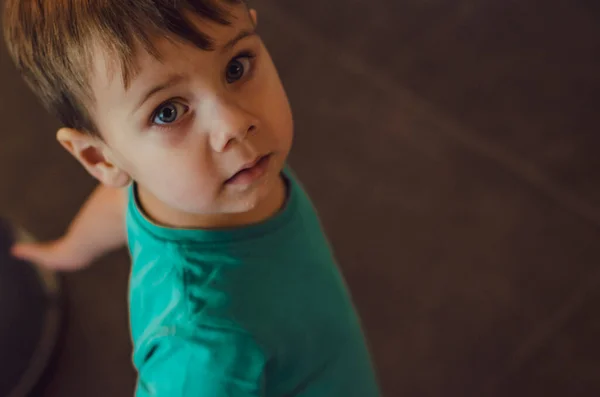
(30, 320)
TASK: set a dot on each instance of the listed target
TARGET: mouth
(251, 172)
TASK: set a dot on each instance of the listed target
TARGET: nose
(228, 123)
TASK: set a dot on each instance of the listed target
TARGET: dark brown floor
(452, 150)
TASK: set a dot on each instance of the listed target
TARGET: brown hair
(50, 42)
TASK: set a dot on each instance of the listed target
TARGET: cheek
(181, 178)
(184, 188)
(275, 109)
(283, 126)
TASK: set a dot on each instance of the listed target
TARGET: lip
(251, 164)
(250, 172)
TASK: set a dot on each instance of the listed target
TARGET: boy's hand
(55, 255)
(98, 228)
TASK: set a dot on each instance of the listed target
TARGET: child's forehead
(164, 49)
(169, 55)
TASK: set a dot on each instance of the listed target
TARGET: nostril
(251, 129)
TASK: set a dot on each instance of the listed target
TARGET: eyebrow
(170, 82)
(240, 36)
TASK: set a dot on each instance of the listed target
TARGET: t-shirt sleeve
(207, 361)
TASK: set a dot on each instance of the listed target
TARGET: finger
(32, 252)
(45, 255)
(52, 255)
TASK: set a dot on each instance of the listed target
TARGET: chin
(254, 198)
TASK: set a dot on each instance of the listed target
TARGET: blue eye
(238, 67)
(169, 113)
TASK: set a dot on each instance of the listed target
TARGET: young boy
(177, 109)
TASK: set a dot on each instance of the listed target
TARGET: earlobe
(254, 16)
(90, 152)
(118, 178)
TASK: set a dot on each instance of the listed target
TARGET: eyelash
(251, 56)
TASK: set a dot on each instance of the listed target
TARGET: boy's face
(188, 124)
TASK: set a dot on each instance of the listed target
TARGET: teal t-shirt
(260, 310)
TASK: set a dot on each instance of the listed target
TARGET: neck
(162, 215)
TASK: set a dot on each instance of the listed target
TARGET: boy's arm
(97, 229)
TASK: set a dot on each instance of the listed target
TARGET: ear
(91, 152)
(254, 16)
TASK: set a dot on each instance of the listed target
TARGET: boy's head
(178, 95)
